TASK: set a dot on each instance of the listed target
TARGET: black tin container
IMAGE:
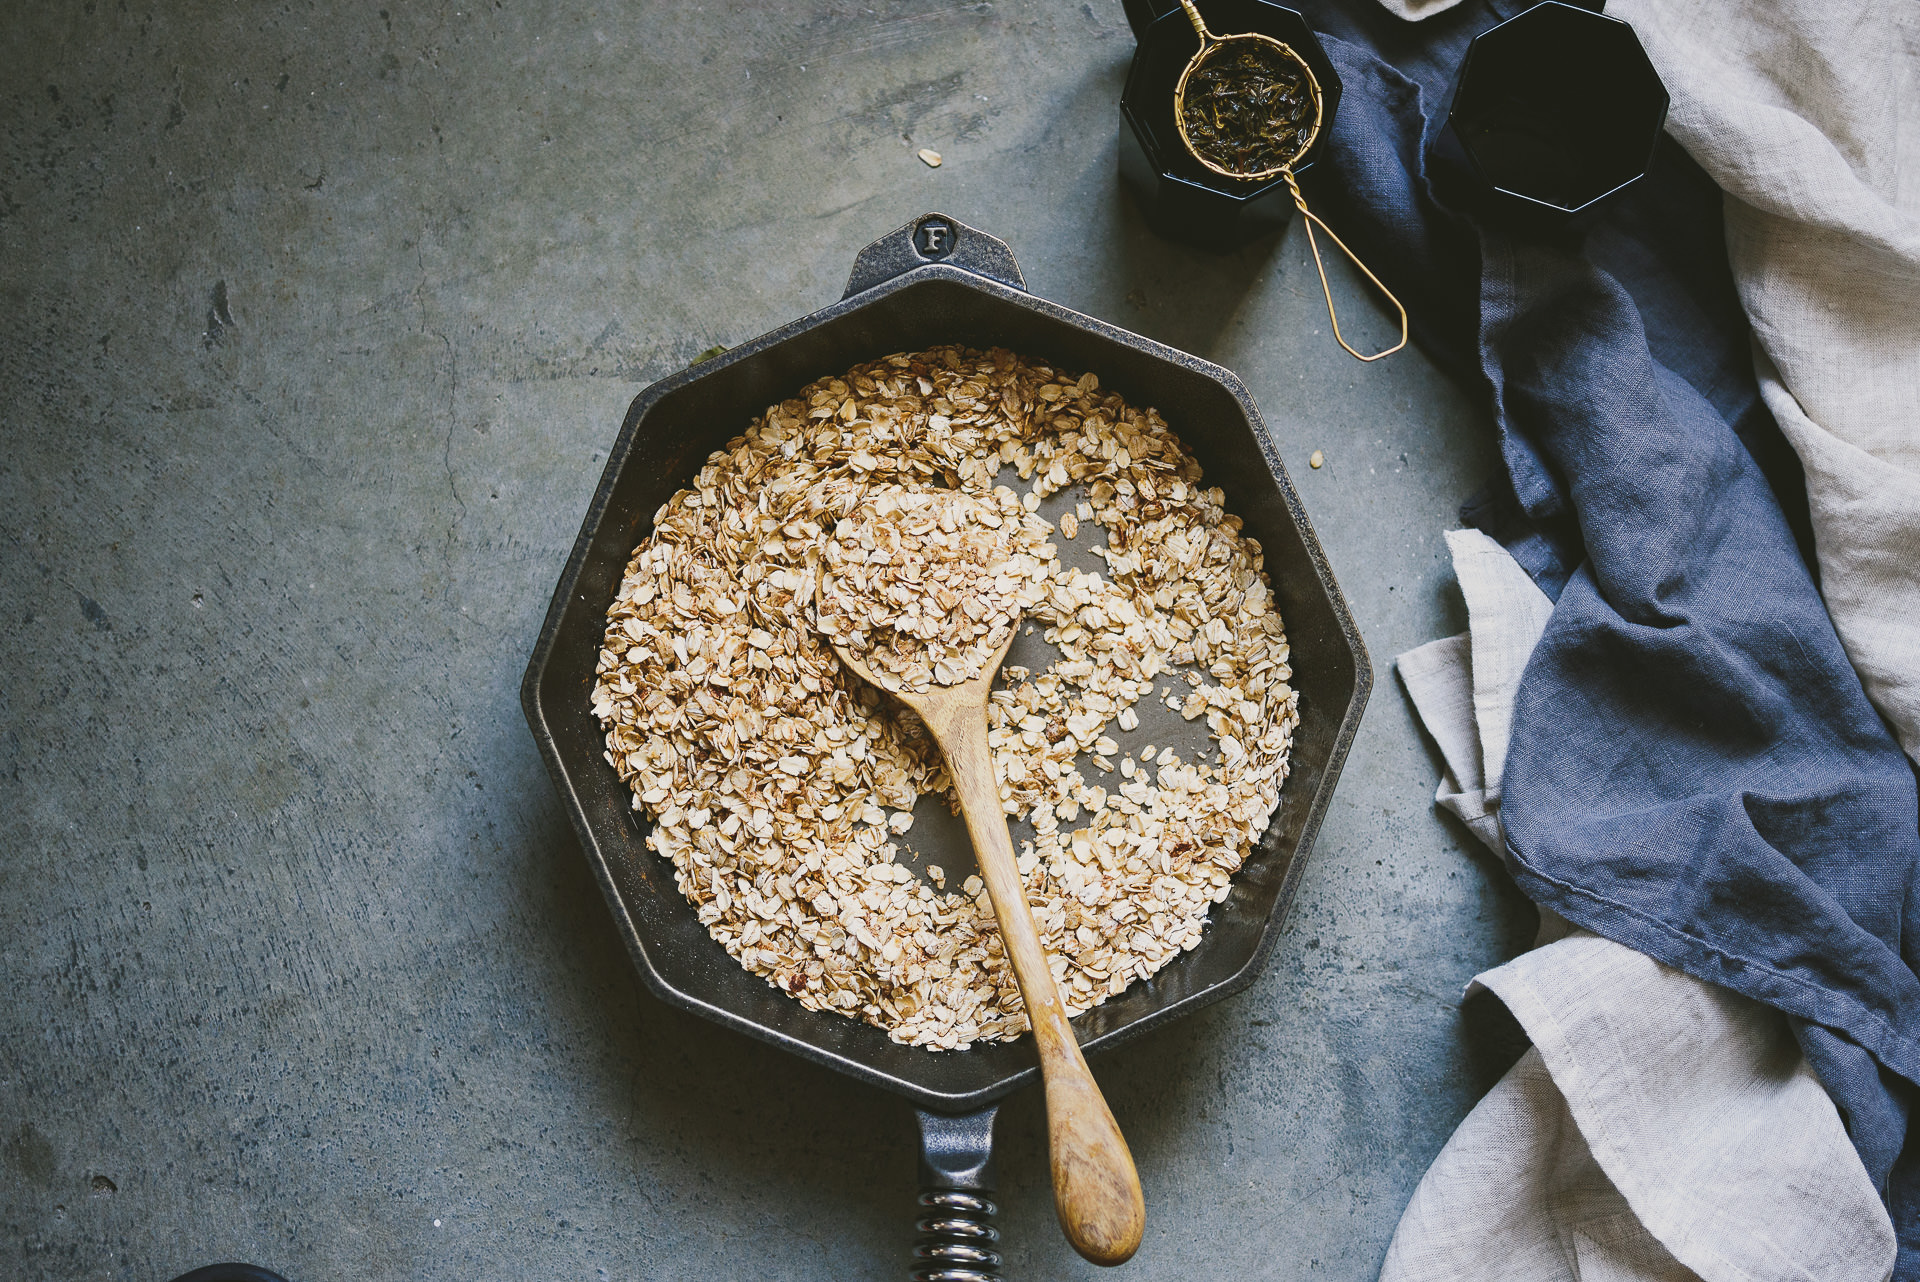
(1557, 109)
(1180, 198)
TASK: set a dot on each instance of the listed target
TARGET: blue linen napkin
(1695, 770)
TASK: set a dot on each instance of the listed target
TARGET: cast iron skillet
(932, 282)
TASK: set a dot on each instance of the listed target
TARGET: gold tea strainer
(1289, 107)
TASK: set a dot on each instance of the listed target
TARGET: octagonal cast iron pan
(937, 281)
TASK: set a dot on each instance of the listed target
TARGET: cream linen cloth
(1660, 1128)
(1807, 114)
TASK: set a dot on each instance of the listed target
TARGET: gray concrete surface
(317, 320)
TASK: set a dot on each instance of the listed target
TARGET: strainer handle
(1313, 220)
(1199, 24)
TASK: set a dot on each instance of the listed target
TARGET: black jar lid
(1557, 109)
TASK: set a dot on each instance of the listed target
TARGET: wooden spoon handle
(1096, 1190)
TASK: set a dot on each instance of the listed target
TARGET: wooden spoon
(1096, 1191)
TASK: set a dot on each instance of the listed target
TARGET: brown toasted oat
(770, 773)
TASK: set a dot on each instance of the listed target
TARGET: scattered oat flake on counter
(1316, 460)
(781, 787)
(931, 156)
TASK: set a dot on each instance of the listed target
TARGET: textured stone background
(317, 319)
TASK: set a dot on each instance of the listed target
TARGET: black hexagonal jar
(1180, 198)
(1557, 109)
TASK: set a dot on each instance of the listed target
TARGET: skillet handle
(956, 1234)
(934, 238)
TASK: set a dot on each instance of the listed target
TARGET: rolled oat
(780, 786)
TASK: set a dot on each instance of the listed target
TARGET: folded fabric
(1660, 1128)
(1463, 686)
(1802, 111)
(1695, 770)
(1803, 114)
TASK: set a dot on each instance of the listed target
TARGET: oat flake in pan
(934, 282)
(768, 770)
